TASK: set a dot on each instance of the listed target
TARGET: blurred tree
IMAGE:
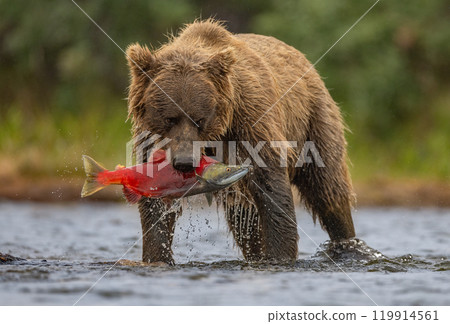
(390, 73)
(387, 70)
(51, 53)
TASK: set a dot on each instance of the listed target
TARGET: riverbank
(380, 192)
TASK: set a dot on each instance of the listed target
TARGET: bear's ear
(219, 64)
(141, 61)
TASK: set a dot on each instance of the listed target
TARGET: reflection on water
(401, 258)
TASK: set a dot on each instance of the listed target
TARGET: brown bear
(208, 84)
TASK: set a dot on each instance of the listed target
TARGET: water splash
(352, 249)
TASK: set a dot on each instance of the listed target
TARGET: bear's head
(180, 95)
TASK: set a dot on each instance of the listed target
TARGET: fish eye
(200, 122)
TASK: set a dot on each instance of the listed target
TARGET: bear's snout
(183, 163)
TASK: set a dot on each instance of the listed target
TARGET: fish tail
(92, 169)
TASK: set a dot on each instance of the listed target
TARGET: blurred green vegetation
(64, 82)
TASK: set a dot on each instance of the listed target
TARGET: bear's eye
(171, 121)
(200, 122)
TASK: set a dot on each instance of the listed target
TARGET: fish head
(220, 175)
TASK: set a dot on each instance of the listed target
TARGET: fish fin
(92, 169)
(209, 198)
(90, 187)
(131, 196)
(119, 166)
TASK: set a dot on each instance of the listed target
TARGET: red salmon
(157, 179)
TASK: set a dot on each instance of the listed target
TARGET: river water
(70, 250)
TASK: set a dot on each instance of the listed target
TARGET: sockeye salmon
(152, 179)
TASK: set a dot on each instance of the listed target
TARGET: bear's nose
(183, 164)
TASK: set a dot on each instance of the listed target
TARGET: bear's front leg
(272, 195)
(158, 226)
(243, 221)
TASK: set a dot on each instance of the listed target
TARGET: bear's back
(280, 57)
(285, 62)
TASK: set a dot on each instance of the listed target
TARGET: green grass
(418, 149)
(51, 143)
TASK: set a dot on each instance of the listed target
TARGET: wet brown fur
(225, 83)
